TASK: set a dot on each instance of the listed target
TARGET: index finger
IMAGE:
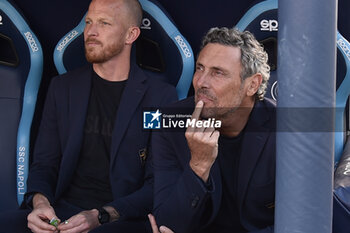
(164, 229)
(197, 111)
(68, 224)
(152, 220)
(42, 225)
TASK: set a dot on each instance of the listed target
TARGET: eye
(199, 68)
(105, 23)
(87, 21)
(218, 73)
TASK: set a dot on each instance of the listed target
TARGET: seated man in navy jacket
(217, 178)
(90, 164)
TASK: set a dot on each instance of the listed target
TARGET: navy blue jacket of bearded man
(61, 133)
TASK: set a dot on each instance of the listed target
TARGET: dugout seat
(262, 20)
(342, 95)
(160, 50)
(21, 65)
(341, 201)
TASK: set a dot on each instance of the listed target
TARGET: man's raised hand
(203, 144)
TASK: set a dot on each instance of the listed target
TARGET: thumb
(51, 216)
(164, 229)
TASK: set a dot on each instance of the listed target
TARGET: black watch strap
(103, 216)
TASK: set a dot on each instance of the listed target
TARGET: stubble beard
(100, 54)
(219, 113)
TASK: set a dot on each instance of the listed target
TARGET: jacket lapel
(79, 93)
(131, 98)
(253, 142)
(217, 195)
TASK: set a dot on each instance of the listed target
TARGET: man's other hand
(162, 229)
(83, 222)
(39, 218)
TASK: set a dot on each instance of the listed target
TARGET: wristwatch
(103, 216)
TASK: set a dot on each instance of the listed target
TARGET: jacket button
(195, 202)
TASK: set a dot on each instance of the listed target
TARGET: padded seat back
(262, 20)
(341, 194)
(21, 64)
(342, 95)
(341, 201)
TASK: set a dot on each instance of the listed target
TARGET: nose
(200, 80)
(91, 30)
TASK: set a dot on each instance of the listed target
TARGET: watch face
(103, 216)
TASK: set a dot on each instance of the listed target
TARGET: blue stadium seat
(341, 201)
(343, 92)
(21, 65)
(262, 20)
(160, 50)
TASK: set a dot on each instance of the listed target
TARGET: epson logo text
(183, 46)
(65, 41)
(31, 41)
(344, 48)
(269, 25)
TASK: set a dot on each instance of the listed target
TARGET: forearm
(201, 170)
(136, 205)
(181, 204)
(113, 213)
(40, 200)
(47, 154)
(41, 182)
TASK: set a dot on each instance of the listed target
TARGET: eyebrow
(215, 68)
(99, 18)
(218, 68)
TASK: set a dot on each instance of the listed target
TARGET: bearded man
(90, 169)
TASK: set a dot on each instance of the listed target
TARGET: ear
(254, 83)
(132, 34)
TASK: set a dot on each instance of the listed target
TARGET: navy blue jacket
(60, 137)
(183, 202)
